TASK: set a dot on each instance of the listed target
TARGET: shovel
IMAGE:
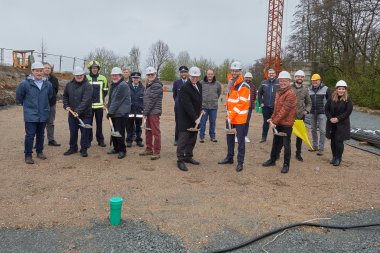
(195, 128)
(144, 125)
(81, 123)
(279, 133)
(230, 130)
(113, 132)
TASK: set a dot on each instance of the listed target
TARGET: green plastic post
(115, 210)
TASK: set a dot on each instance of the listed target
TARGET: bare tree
(134, 58)
(159, 53)
(203, 64)
(183, 59)
(107, 59)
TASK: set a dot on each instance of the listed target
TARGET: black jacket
(55, 84)
(318, 96)
(341, 110)
(177, 85)
(119, 104)
(78, 96)
(137, 98)
(189, 105)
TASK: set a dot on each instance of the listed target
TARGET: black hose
(275, 231)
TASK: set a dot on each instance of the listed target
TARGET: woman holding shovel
(119, 106)
(77, 100)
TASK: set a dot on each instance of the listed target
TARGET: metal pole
(74, 63)
(2, 56)
(60, 63)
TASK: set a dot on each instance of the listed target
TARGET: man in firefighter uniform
(238, 101)
(135, 117)
(100, 90)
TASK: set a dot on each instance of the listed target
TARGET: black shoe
(202, 141)
(192, 161)
(226, 161)
(299, 157)
(269, 162)
(54, 143)
(102, 144)
(70, 152)
(337, 161)
(41, 156)
(182, 166)
(214, 140)
(83, 152)
(129, 144)
(285, 168)
(112, 152)
(239, 167)
(140, 144)
(121, 155)
(263, 140)
(332, 161)
(29, 160)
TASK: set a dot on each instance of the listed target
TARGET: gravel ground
(136, 236)
(365, 121)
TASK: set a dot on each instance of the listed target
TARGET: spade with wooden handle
(195, 128)
(81, 123)
(279, 133)
(144, 125)
(230, 130)
(113, 132)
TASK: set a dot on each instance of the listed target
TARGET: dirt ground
(74, 191)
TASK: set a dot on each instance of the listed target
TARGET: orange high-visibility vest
(238, 101)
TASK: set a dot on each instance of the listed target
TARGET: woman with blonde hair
(338, 110)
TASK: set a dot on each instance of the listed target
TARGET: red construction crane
(274, 35)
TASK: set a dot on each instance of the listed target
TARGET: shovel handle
(72, 112)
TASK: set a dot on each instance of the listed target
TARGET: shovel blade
(116, 134)
(193, 129)
(230, 131)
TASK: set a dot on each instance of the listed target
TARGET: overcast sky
(212, 29)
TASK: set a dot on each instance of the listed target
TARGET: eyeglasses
(149, 74)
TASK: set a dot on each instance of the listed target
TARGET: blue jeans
(34, 129)
(318, 121)
(209, 113)
(248, 119)
(267, 113)
(85, 133)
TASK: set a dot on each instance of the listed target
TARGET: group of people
(132, 106)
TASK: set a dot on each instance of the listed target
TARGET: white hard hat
(284, 75)
(341, 83)
(150, 70)
(248, 74)
(194, 71)
(116, 71)
(37, 65)
(78, 71)
(299, 73)
(236, 65)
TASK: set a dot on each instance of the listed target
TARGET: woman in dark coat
(338, 110)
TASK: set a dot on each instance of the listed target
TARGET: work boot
(129, 144)
(239, 167)
(121, 155)
(70, 152)
(313, 149)
(268, 163)
(202, 141)
(285, 168)
(226, 160)
(263, 140)
(332, 161)
(140, 144)
(192, 161)
(54, 143)
(337, 161)
(299, 157)
(41, 156)
(155, 157)
(320, 152)
(112, 152)
(102, 144)
(182, 166)
(29, 160)
(83, 152)
(146, 153)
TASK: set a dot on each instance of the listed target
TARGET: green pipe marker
(115, 210)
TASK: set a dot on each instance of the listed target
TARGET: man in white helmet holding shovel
(189, 116)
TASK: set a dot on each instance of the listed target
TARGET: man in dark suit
(177, 85)
(189, 111)
(135, 117)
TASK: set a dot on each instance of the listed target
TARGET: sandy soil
(74, 191)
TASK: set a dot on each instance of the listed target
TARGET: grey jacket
(210, 94)
(153, 98)
(119, 104)
(303, 100)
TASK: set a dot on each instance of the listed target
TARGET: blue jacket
(137, 99)
(177, 85)
(267, 92)
(34, 101)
